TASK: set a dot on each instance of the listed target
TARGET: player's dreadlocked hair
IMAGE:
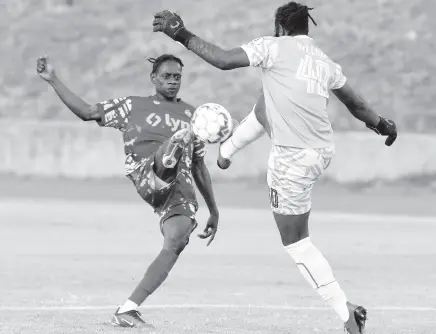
(294, 18)
(161, 59)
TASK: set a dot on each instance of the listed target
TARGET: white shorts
(292, 172)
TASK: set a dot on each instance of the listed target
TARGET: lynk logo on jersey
(174, 124)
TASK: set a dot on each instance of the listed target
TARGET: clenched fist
(45, 69)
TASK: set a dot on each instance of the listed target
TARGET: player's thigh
(151, 188)
(176, 231)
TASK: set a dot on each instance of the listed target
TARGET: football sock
(317, 271)
(128, 306)
(247, 132)
(156, 273)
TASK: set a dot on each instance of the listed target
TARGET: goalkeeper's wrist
(375, 124)
(183, 36)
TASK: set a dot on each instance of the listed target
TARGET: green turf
(386, 47)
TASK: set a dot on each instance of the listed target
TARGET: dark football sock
(156, 273)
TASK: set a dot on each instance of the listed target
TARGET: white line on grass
(208, 306)
(9, 206)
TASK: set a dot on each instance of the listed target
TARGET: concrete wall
(83, 150)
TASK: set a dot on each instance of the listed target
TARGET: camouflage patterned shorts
(175, 198)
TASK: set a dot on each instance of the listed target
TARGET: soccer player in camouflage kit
(161, 153)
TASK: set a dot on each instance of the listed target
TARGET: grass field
(71, 252)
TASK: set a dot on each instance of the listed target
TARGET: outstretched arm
(217, 56)
(172, 25)
(360, 109)
(357, 105)
(79, 107)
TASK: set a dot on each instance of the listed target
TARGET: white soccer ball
(212, 123)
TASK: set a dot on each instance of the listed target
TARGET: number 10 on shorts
(274, 198)
(316, 73)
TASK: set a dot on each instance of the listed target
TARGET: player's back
(296, 86)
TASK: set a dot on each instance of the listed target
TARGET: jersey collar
(177, 100)
(302, 37)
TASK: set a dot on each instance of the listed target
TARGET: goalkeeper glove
(385, 127)
(172, 25)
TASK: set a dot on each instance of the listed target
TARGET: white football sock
(317, 271)
(128, 306)
(247, 132)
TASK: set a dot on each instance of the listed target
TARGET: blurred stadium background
(67, 251)
(99, 47)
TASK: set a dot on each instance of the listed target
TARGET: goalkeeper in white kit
(297, 77)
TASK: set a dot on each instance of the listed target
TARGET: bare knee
(176, 244)
(177, 231)
(292, 228)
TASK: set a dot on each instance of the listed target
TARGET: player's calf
(311, 263)
(176, 230)
(248, 131)
(223, 160)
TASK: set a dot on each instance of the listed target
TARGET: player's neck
(300, 32)
(163, 98)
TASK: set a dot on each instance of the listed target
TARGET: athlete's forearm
(357, 105)
(211, 53)
(203, 181)
(78, 106)
(364, 113)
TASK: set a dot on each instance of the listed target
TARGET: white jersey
(296, 78)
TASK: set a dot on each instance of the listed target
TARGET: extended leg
(248, 131)
(176, 231)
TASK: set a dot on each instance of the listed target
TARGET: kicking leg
(176, 231)
(169, 153)
(248, 131)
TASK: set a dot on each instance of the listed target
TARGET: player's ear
(153, 78)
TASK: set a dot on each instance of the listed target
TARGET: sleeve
(200, 149)
(261, 52)
(115, 113)
(338, 79)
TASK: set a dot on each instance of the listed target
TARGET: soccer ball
(212, 123)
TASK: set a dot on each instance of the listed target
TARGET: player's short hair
(294, 17)
(161, 59)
